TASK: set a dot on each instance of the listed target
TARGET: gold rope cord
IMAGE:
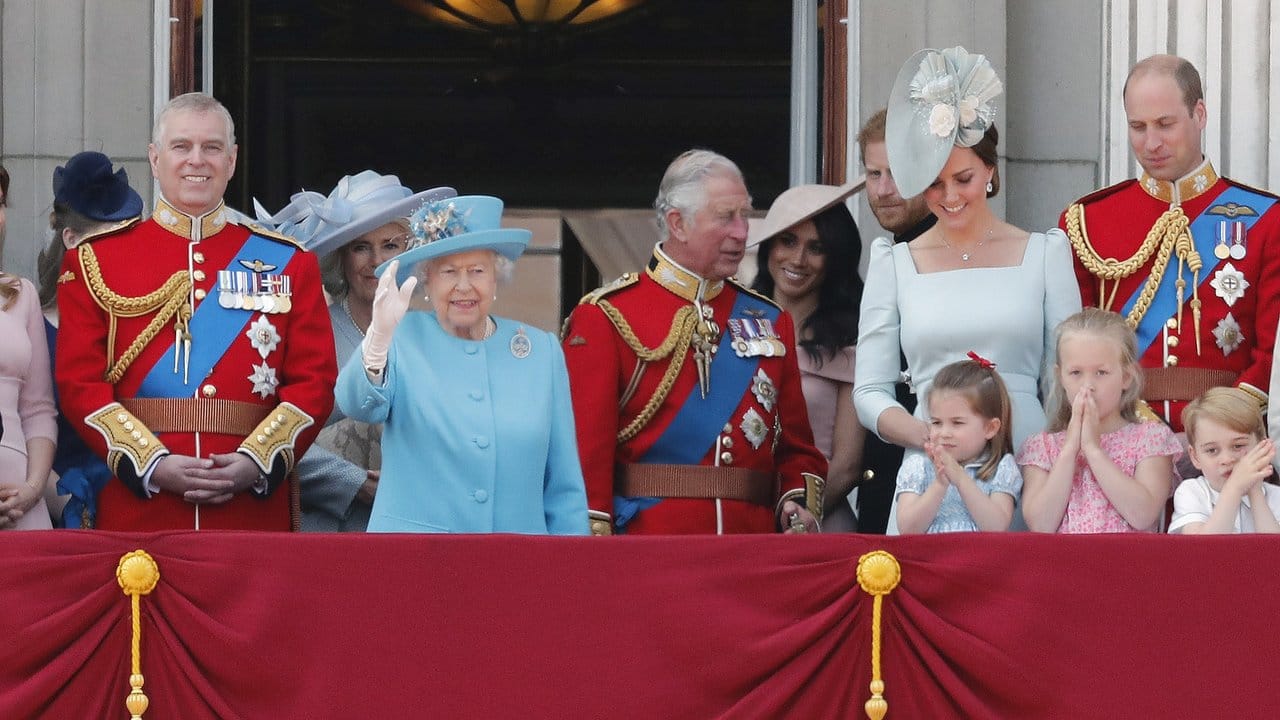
(878, 574)
(675, 346)
(137, 574)
(169, 300)
(1169, 233)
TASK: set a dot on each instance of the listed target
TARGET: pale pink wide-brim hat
(798, 204)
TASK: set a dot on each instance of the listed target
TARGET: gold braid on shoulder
(168, 300)
(1169, 234)
(675, 346)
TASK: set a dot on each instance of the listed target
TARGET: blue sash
(213, 328)
(1203, 233)
(699, 421)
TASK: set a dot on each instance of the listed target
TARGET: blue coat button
(476, 395)
(481, 496)
(473, 349)
(481, 441)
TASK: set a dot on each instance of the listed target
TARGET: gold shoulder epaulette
(270, 234)
(109, 229)
(741, 286)
(625, 281)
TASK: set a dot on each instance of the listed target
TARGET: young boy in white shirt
(1227, 441)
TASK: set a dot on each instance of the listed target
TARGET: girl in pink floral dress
(1098, 468)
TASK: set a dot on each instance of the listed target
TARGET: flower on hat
(956, 87)
(436, 220)
(942, 120)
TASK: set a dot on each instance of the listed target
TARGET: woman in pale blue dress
(972, 282)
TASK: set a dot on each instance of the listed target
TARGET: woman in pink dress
(808, 265)
(29, 429)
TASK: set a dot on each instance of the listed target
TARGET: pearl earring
(990, 187)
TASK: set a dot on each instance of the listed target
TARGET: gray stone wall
(74, 75)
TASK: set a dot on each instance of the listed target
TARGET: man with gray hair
(686, 391)
(195, 354)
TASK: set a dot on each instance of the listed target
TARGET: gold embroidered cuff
(797, 495)
(1256, 394)
(815, 490)
(275, 435)
(600, 522)
(126, 437)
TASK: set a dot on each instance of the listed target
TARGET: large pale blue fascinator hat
(358, 203)
(454, 225)
(940, 100)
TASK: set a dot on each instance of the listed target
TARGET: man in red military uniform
(685, 386)
(1191, 258)
(195, 354)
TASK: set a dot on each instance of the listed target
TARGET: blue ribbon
(82, 483)
(213, 328)
(1164, 304)
(699, 421)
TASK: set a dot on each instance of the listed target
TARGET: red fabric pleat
(262, 625)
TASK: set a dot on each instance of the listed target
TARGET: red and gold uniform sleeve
(795, 453)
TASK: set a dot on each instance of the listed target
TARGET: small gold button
(128, 426)
(143, 442)
(122, 417)
(1171, 361)
(200, 293)
(209, 390)
(726, 442)
(726, 458)
(197, 256)
(198, 275)
(136, 434)
(727, 429)
(280, 417)
(868, 474)
(1171, 323)
(261, 439)
(1172, 341)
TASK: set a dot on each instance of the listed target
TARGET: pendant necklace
(964, 256)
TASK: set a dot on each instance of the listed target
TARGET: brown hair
(986, 151)
(1101, 324)
(872, 132)
(1180, 69)
(1226, 406)
(982, 386)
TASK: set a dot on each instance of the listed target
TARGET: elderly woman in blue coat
(478, 426)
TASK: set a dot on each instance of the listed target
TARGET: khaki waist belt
(226, 417)
(1179, 383)
(697, 481)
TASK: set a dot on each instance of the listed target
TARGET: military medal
(285, 299)
(1228, 335)
(226, 291)
(520, 345)
(1238, 245)
(1222, 250)
(263, 336)
(753, 428)
(762, 387)
(1229, 284)
(264, 380)
(771, 337)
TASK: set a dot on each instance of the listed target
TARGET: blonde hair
(1227, 406)
(1107, 325)
(982, 386)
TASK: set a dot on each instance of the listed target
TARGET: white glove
(389, 306)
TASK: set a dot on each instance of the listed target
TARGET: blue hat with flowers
(941, 100)
(88, 186)
(454, 225)
(358, 203)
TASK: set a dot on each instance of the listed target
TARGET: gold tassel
(878, 574)
(137, 574)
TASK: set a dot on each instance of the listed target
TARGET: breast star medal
(1229, 284)
(1228, 335)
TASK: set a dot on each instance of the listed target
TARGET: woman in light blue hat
(362, 223)
(479, 434)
